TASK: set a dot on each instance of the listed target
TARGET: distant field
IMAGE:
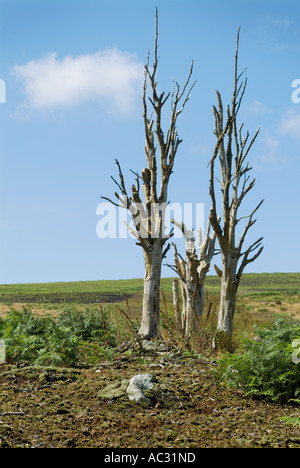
(84, 292)
(87, 292)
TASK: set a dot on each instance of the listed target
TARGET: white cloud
(110, 77)
(270, 147)
(257, 108)
(290, 123)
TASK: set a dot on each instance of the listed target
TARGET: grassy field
(260, 297)
(85, 292)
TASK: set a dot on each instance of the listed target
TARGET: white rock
(137, 384)
(149, 345)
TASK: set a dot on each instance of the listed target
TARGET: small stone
(114, 390)
(137, 385)
(149, 345)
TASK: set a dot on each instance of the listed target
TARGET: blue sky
(73, 71)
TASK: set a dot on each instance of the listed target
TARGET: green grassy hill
(114, 291)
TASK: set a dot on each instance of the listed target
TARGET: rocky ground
(69, 408)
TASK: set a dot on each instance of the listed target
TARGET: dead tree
(192, 273)
(176, 302)
(148, 213)
(232, 150)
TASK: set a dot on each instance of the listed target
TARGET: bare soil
(61, 408)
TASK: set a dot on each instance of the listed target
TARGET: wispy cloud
(277, 146)
(110, 77)
(270, 147)
(290, 123)
(257, 108)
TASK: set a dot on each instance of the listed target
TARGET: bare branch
(246, 229)
(122, 183)
(112, 202)
(246, 260)
(252, 247)
(207, 247)
(218, 271)
(188, 235)
(164, 254)
(173, 267)
(117, 183)
(241, 96)
(141, 241)
(242, 158)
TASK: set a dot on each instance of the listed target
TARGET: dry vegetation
(61, 408)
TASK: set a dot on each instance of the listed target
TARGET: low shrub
(74, 338)
(89, 325)
(265, 367)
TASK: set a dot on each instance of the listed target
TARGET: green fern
(74, 338)
(266, 368)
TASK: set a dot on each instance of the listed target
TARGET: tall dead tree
(148, 213)
(192, 273)
(232, 150)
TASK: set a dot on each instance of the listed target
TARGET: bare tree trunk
(232, 149)
(228, 297)
(194, 304)
(176, 303)
(190, 308)
(152, 185)
(192, 273)
(199, 301)
(184, 305)
(201, 289)
(151, 297)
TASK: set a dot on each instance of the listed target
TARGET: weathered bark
(228, 296)
(151, 297)
(232, 150)
(183, 307)
(152, 183)
(192, 272)
(176, 303)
